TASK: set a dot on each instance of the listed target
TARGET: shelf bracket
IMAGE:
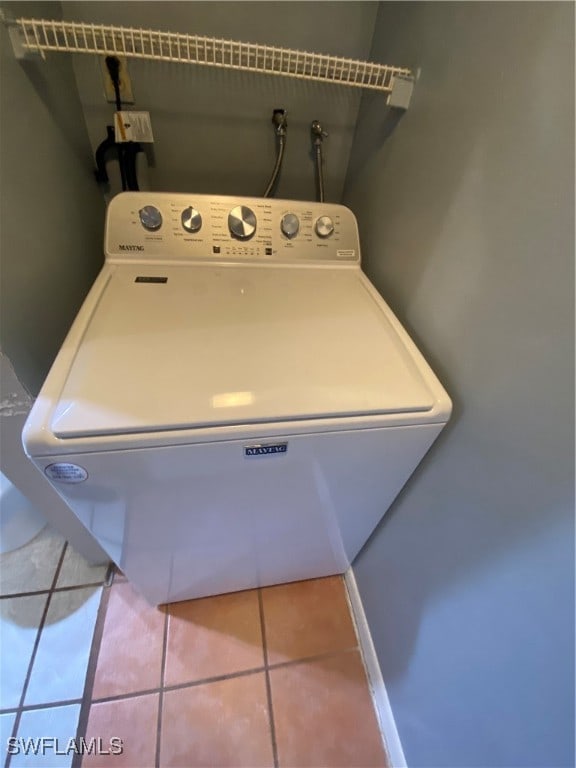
(20, 46)
(401, 93)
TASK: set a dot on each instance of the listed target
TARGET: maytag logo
(131, 247)
(265, 450)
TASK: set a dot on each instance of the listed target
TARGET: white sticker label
(133, 126)
(66, 473)
(346, 253)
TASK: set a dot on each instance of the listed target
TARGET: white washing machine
(235, 405)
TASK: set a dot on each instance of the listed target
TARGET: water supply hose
(281, 125)
(318, 136)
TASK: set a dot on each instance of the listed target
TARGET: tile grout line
(316, 657)
(48, 591)
(179, 686)
(161, 691)
(267, 679)
(220, 678)
(91, 670)
(59, 567)
(46, 705)
(18, 717)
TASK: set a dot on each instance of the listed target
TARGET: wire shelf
(41, 35)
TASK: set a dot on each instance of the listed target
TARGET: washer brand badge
(66, 473)
(250, 451)
(124, 247)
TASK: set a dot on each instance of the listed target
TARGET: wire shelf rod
(41, 35)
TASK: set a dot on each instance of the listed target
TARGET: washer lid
(207, 345)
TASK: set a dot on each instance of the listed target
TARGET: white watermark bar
(51, 745)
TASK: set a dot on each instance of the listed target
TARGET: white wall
(212, 128)
(466, 216)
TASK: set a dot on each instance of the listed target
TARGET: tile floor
(49, 599)
(269, 677)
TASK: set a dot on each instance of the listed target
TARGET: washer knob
(191, 219)
(290, 225)
(242, 222)
(150, 217)
(324, 226)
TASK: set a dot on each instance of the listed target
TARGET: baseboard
(376, 681)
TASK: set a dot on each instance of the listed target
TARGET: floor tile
(32, 567)
(6, 726)
(217, 724)
(76, 570)
(130, 657)
(134, 721)
(59, 669)
(324, 716)
(307, 618)
(19, 621)
(213, 636)
(58, 723)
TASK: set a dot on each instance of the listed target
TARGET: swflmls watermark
(50, 745)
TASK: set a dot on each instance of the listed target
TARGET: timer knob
(242, 222)
(191, 219)
(150, 217)
(290, 225)
(324, 226)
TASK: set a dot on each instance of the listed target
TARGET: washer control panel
(160, 226)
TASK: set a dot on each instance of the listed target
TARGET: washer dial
(150, 218)
(191, 219)
(324, 226)
(242, 222)
(290, 225)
